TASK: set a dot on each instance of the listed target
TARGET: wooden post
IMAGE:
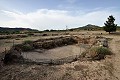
(5, 51)
(51, 61)
(13, 43)
(80, 49)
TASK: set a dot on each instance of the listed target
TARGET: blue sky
(56, 14)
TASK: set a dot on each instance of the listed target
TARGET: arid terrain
(81, 69)
(59, 39)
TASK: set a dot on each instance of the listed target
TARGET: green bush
(27, 42)
(97, 53)
(27, 47)
(103, 50)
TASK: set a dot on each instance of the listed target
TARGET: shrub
(17, 46)
(27, 47)
(45, 35)
(12, 56)
(22, 36)
(30, 34)
(17, 39)
(27, 42)
(97, 53)
(103, 50)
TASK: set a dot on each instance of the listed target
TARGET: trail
(115, 48)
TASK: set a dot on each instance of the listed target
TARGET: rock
(103, 42)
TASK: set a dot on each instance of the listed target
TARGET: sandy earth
(115, 47)
(79, 70)
(7, 43)
(56, 53)
(108, 69)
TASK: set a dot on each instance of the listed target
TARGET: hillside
(88, 27)
(15, 30)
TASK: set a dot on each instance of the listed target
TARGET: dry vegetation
(82, 69)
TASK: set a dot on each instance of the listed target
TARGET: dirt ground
(107, 69)
(8, 43)
(56, 53)
(115, 47)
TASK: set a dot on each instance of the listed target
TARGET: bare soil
(56, 53)
(107, 69)
(115, 47)
(8, 43)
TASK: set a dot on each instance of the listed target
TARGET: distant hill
(11, 30)
(91, 27)
(88, 27)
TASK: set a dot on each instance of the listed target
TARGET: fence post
(76, 56)
(5, 51)
(51, 61)
(80, 49)
(59, 62)
(13, 43)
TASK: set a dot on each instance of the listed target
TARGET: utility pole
(66, 28)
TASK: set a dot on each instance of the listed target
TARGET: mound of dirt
(52, 43)
(88, 40)
(14, 55)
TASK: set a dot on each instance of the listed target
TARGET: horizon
(55, 14)
(54, 29)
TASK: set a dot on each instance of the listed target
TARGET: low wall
(55, 42)
(49, 44)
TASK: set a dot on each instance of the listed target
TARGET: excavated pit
(54, 50)
(65, 53)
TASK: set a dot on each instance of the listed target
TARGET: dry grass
(79, 70)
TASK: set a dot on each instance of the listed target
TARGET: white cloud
(55, 19)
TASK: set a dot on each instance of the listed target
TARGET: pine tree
(109, 25)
